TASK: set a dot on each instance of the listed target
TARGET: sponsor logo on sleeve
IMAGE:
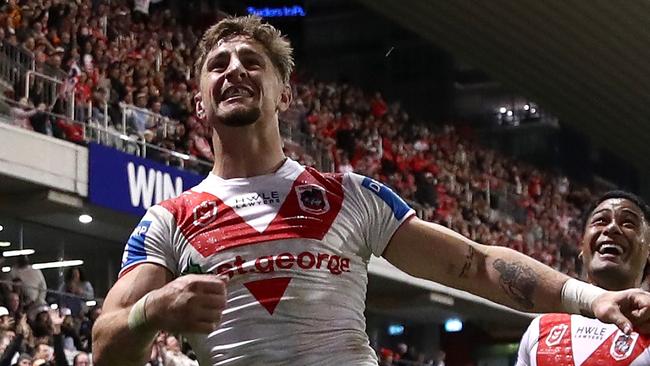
(396, 204)
(134, 251)
(555, 335)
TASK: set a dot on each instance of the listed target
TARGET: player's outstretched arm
(144, 301)
(505, 276)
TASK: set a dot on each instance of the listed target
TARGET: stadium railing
(17, 65)
(52, 90)
(154, 120)
(20, 57)
(10, 72)
(109, 136)
(503, 198)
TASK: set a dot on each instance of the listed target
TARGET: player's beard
(239, 117)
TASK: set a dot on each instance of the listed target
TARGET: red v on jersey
(308, 211)
(268, 292)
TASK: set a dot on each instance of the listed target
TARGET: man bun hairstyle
(277, 47)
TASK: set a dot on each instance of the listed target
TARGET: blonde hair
(277, 46)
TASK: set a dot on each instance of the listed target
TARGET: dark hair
(645, 209)
(69, 271)
(22, 261)
(74, 360)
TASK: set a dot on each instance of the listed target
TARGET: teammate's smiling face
(240, 85)
(615, 244)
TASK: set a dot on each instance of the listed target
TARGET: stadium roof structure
(584, 61)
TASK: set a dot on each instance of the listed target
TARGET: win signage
(127, 183)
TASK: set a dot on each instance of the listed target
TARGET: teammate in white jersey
(291, 245)
(615, 256)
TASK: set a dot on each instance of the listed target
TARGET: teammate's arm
(503, 275)
(191, 303)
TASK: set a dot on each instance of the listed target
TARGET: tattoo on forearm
(469, 259)
(518, 281)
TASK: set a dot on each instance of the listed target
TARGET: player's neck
(246, 153)
(614, 285)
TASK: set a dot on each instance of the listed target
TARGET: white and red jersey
(296, 245)
(574, 340)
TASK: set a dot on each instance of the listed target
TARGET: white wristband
(138, 315)
(578, 296)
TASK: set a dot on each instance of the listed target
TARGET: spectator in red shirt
(378, 106)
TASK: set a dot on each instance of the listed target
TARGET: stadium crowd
(111, 55)
(450, 177)
(40, 326)
(45, 327)
(445, 173)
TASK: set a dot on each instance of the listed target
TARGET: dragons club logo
(312, 199)
(623, 346)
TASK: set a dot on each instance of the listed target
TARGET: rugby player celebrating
(615, 257)
(291, 266)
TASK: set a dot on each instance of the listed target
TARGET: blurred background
(500, 120)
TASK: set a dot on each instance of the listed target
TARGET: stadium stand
(102, 74)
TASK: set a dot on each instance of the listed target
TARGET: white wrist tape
(138, 315)
(578, 296)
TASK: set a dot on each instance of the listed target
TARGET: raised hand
(22, 327)
(57, 320)
(628, 309)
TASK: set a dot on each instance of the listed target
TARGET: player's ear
(583, 269)
(198, 105)
(285, 98)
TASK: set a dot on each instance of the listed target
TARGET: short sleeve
(380, 209)
(151, 242)
(528, 341)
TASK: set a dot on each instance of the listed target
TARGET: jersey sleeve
(380, 209)
(644, 358)
(151, 242)
(528, 341)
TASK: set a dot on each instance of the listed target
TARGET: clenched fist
(191, 303)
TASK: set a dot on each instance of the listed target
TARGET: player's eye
(252, 63)
(217, 65)
(598, 221)
(629, 224)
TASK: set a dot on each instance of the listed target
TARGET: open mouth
(238, 91)
(609, 248)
